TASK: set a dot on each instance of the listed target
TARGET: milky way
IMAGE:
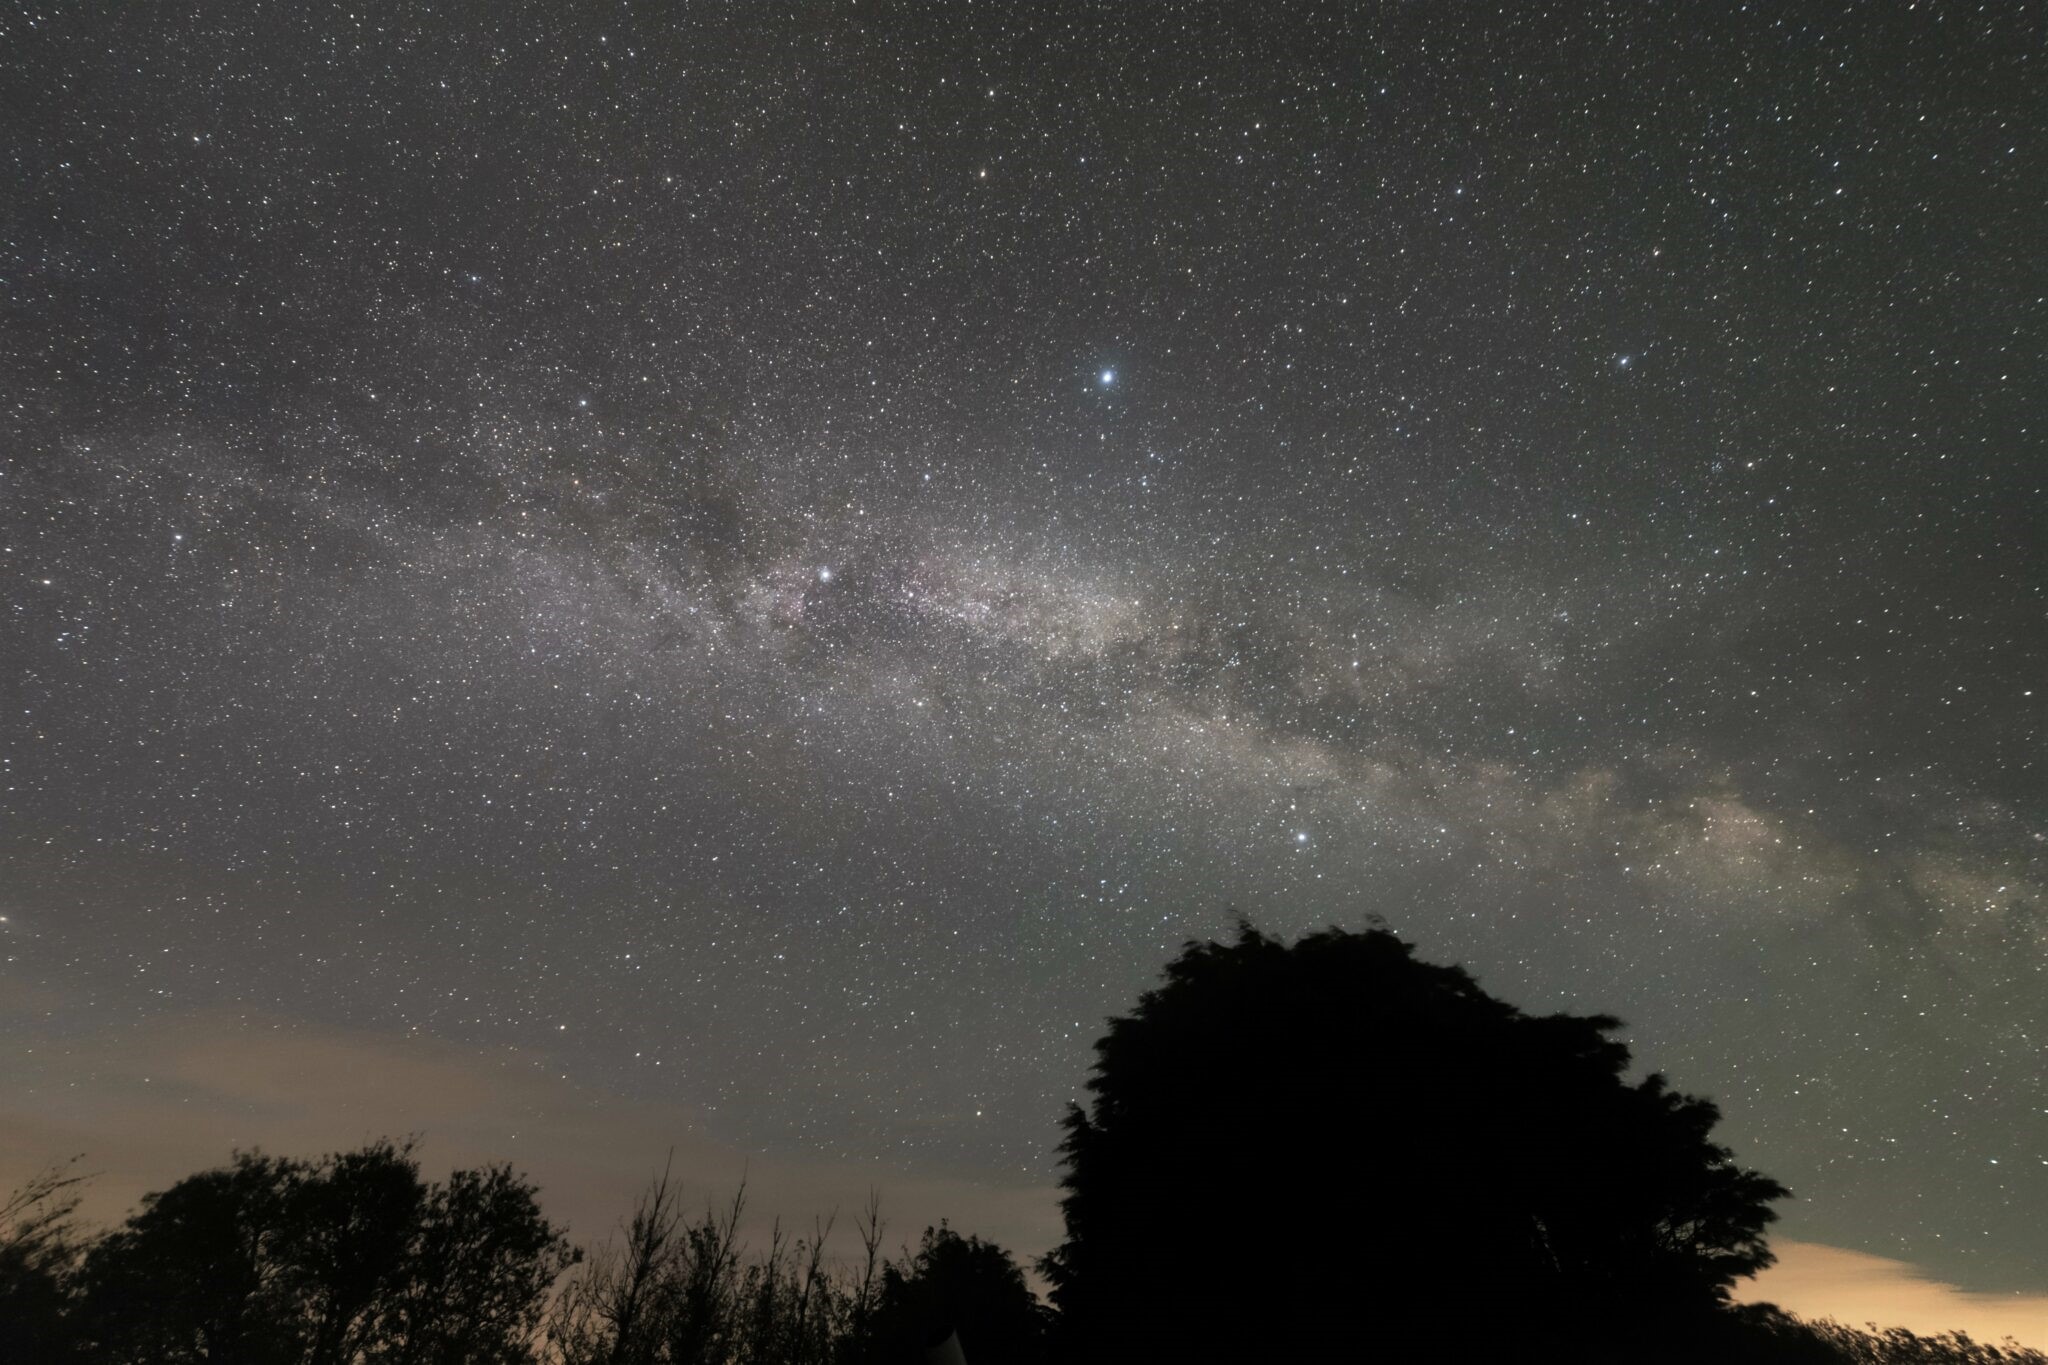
(784, 562)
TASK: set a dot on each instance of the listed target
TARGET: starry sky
(776, 561)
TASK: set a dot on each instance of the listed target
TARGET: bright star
(824, 575)
(1108, 377)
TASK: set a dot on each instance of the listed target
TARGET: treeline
(1317, 1150)
(354, 1258)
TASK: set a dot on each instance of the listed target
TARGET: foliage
(1289, 1148)
(685, 1291)
(955, 1283)
(676, 1290)
(1763, 1334)
(40, 1245)
(350, 1258)
(478, 1277)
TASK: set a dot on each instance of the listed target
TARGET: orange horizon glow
(1860, 1290)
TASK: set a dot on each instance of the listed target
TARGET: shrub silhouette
(674, 1289)
(1332, 1145)
(954, 1283)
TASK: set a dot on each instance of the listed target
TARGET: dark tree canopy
(353, 1257)
(1334, 1145)
(954, 1283)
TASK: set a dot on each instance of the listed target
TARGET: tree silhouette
(1332, 1145)
(353, 1258)
(954, 1283)
(345, 1243)
(40, 1245)
(196, 1274)
(350, 1258)
(479, 1267)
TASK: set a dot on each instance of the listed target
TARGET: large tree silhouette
(1334, 1145)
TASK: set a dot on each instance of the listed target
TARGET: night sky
(775, 562)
